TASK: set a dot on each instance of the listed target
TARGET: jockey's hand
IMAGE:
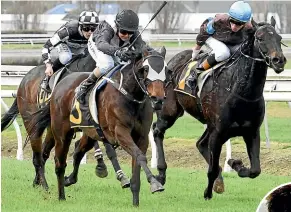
(49, 69)
(124, 54)
(195, 54)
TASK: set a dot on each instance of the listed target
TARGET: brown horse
(26, 104)
(231, 103)
(125, 115)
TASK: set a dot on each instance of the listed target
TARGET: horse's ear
(254, 24)
(273, 21)
(163, 51)
(145, 51)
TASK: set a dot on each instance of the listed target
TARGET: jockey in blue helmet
(221, 34)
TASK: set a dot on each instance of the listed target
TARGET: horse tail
(9, 116)
(40, 121)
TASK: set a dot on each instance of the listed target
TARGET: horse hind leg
(81, 147)
(120, 175)
(47, 145)
(163, 123)
(101, 168)
(253, 147)
(35, 137)
(202, 146)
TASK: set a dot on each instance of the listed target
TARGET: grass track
(184, 192)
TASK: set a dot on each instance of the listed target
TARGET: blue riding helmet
(240, 11)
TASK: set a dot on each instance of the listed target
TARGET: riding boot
(85, 86)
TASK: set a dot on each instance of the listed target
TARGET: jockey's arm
(102, 37)
(206, 30)
(60, 36)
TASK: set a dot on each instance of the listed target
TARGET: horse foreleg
(159, 128)
(81, 147)
(215, 145)
(123, 136)
(63, 136)
(101, 169)
(135, 182)
(252, 141)
(202, 145)
(111, 154)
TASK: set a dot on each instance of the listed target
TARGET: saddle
(43, 95)
(86, 115)
(201, 79)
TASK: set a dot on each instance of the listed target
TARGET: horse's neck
(130, 84)
(251, 76)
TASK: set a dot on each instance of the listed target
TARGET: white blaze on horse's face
(156, 68)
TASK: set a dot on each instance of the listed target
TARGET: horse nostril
(275, 60)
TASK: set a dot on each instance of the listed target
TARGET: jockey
(107, 44)
(71, 37)
(220, 34)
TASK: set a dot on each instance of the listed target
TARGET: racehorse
(125, 114)
(27, 104)
(231, 103)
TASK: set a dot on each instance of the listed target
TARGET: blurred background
(176, 17)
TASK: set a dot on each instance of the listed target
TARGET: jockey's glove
(125, 54)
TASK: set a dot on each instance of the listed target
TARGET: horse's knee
(255, 173)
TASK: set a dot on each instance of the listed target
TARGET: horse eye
(260, 39)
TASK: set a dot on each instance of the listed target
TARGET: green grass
(183, 191)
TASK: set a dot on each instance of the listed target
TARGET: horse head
(152, 76)
(268, 42)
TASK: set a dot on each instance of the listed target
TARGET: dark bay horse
(26, 104)
(231, 104)
(125, 116)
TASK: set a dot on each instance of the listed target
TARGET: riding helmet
(127, 20)
(240, 11)
(88, 18)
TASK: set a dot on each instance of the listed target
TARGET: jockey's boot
(45, 82)
(191, 81)
(86, 85)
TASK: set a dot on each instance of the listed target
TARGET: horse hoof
(218, 186)
(207, 195)
(69, 181)
(162, 180)
(125, 183)
(101, 172)
(156, 187)
(232, 163)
